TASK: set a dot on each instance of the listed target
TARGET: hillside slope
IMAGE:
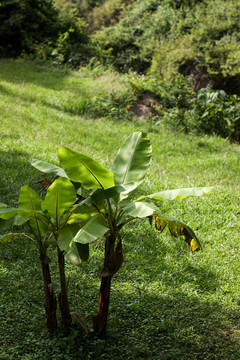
(199, 39)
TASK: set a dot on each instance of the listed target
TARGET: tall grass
(166, 303)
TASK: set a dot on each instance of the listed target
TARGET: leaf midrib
(75, 156)
(130, 161)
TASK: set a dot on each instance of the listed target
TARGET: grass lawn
(166, 303)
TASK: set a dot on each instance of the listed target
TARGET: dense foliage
(207, 111)
(24, 23)
(34, 28)
(198, 39)
(97, 14)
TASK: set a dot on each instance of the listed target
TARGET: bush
(34, 29)
(166, 38)
(176, 92)
(202, 42)
(211, 112)
(129, 44)
(70, 47)
(25, 23)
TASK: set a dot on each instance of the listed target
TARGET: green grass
(166, 303)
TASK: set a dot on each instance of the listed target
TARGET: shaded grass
(166, 303)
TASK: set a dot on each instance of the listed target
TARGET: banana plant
(105, 211)
(47, 220)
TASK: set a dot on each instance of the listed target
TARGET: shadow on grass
(83, 106)
(21, 72)
(79, 98)
(176, 327)
(16, 171)
(150, 317)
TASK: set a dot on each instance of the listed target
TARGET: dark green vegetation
(166, 303)
(199, 39)
(34, 29)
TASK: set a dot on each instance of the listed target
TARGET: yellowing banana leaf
(176, 229)
(177, 193)
(83, 169)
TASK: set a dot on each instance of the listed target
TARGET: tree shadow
(173, 327)
(16, 171)
(83, 105)
(41, 75)
(151, 316)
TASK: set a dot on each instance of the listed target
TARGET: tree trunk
(62, 295)
(50, 297)
(112, 262)
(100, 321)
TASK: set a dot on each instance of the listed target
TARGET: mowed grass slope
(166, 303)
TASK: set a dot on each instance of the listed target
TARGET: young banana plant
(47, 221)
(105, 211)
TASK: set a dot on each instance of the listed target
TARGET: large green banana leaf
(77, 253)
(74, 252)
(88, 172)
(80, 213)
(48, 168)
(16, 220)
(9, 213)
(112, 192)
(140, 209)
(92, 230)
(132, 160)
(177, 193)
(60, 196)
(29, 199)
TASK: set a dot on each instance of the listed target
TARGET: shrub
(35, 30)
(203, 41)
(70, 47)
(217, 113)
(176, 92)
(129, 44)
(210, 112)
(25, 23)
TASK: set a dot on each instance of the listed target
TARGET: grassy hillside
(166, 303)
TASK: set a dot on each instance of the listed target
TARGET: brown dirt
(145, 106)
(200, 80)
